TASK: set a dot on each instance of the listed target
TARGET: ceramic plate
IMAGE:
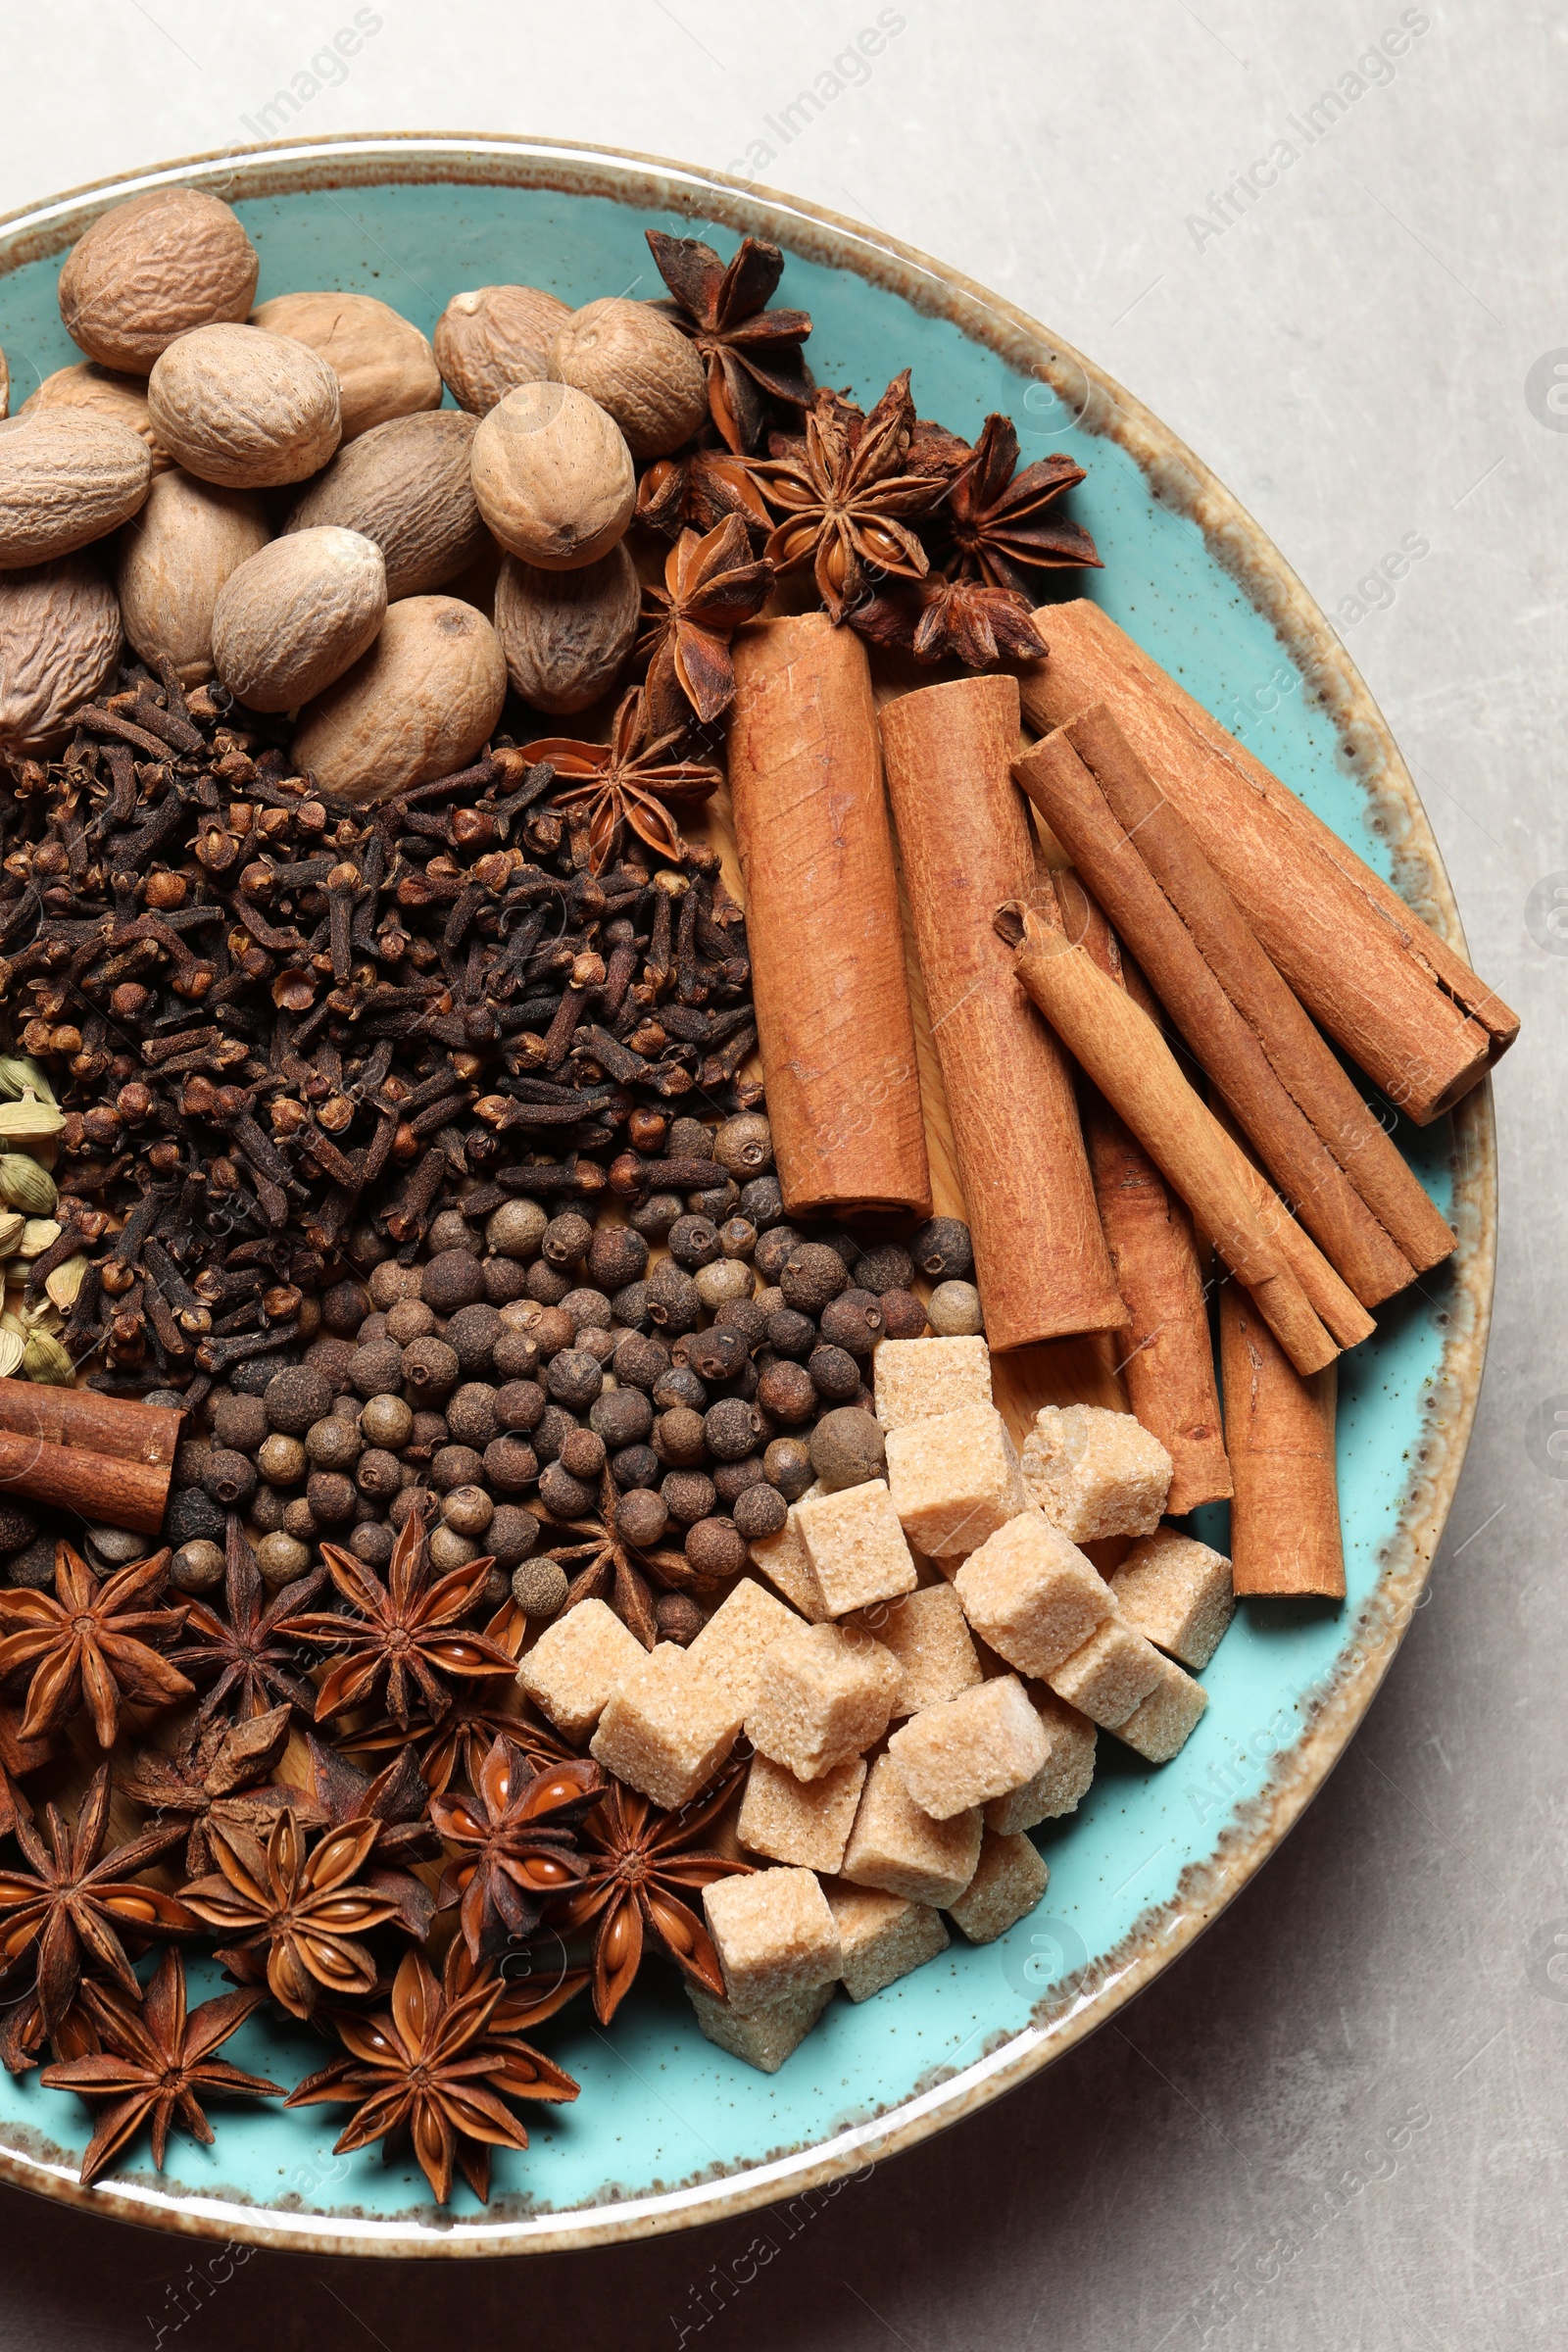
(669, 2130)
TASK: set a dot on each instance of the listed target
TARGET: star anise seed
(997, 519)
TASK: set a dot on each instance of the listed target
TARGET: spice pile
(388, 1101)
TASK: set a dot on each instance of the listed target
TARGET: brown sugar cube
(899, 1849)
(955, 1479)
(1159, 1724)
(823, 1694)
(882, 1936)
(774, 1935)
(915, 1379)
(855, 1545)
(1030, 1592)
(1096, 1473)
(731, 1643)
(1177, 1594)
(668, 1727)
(965, 1750)
(1108, 1676)
(767, 2038)
(1064, 1779)
(576, 1663)
(807, 1823)
(785, 1562)
(926, 1633)
(1008, 1881)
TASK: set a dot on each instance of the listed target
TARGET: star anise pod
(515, 1843)
(405, 1631)
(397, 1800)
(604, 1565)
(454, 1745)
(640, 1862)
(696, 489)
(152, 2062)
(219, 1774)
(297, 1905)
(82, 1643)
(633, 780)
(255, 1665)
(438, 2068)
(711, 586)
(25, 2032)
(936, 616)
(845, 498)
(749, 351)
(71, 1904)
(996, 520)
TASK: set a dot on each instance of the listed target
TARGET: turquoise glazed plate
(669, 2130)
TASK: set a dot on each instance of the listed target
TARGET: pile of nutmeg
(308, 521)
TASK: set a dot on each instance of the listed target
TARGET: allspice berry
(942, 1249)
(760, 1512)
(716, 1548)
(677, 1618)
(295, 1399)
(515, 1229)
(512, 1536)
(539, 1587)
(853, 1321)
(846, 1449)
(787, 1465)
(744, 1146)
(642, 1517)
(956, 1311)
(786, 1392)
(811, 1276)
(903, 1315)
(450, 1281)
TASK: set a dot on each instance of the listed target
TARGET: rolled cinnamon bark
(1124, 1053)
(120, 1427)
(1229, 1002)
(1279, 1430)
(1382, 983)
(1167, 1358)
(1039, 1256)
(822, 921)
(103, 1488)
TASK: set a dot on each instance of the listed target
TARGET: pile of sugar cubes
(923, 1686)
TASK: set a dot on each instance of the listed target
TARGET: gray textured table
(1339, 2122)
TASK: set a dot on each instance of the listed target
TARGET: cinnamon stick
(1382, 983)
(1167, 1358)
(120, 1426)
(1039, 1256)
(1124, 1053)
(109, 1458)
(1283, 1084)
(1279, 1428)
(822, 923)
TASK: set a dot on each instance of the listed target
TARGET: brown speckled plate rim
(1180, 481)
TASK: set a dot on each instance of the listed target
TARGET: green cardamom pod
(11, 1222)
(65, 1281)
(13, 1347)
(38, 1234)
(45, 1359)
(21, 1075)
(25, 1186)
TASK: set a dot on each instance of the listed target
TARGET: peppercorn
(390, 1282)
(562, 1496)
(516, 1355)
(330, 1497)
(640, 1360)
(449, 1549)
(621, 1417)
(515, 1229)
(680, 1436)
(196, 1567)
(472, 1334)
(573, 1378)
(678, 1618)
(471, 1414)
(693, 1243)
(942, 1249)
(239, 1424)
(617, 1256)
(903, 1315)
(468, 1509)
(732, 1428)
(512, 1534)
(846, 1449)
(744, 1146)
(852, 1321)
(834, 1374)
(555, 1426)
(455, 1466)
(377, 1474)
(519, 1405)
(657, 1213)
(687, 1496)
(296, 1398)
(566, 1240)
(373, 1542)
(790, 1333)
(510, 1466)
(787, 1465)
(554, 1331)
(427, 1435)
(430, 1370)
(812, 1275)
(538, 1587)
(267, 1505)
(409, 1319)
(582, 1453)
(733, 1478)
(674, 1303)
(635, 1466)
(642, 1517)
(375, 1370)
(745, 1316)
(760, 1512)
(716, 1548)
(281, 1559)
(504, 1280)
(786, 1392)
(451, 1280)
(956, 1311)
(229, 1478)
(547, 1284)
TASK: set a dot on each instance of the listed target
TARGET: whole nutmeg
(296, 615)
(418, 705)
(152, 269)
(404, 484)
(237, 406)
(384, 364)
(492, 337)
(190, 537)
(65, 477)
(106, 393)
(565, 634)
(554, 476)
(634, 361)
(60, 647)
